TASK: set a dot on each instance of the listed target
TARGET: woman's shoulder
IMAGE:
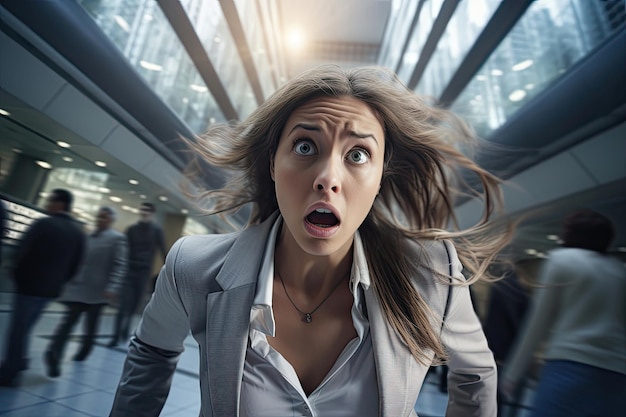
(192, 248)
(195, 250)
(434, 259)
(431, 251)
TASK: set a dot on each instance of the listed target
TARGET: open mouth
(322, 218)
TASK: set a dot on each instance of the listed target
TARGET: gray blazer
(208, 285)
(103, 268)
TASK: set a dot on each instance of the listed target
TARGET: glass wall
(252, 20)
(141, 31)
(427, 17)
(88, 187)
(212, 29)
(467, 22)
(398, 27)
(551, 37)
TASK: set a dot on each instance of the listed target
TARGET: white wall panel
(125, 146)
(24, 76)
(163, 173)
(598, 161)
(74, 110)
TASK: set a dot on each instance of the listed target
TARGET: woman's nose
(328, 177)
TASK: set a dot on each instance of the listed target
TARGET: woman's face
(327, 172)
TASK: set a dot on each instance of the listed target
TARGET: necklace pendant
(308, 318)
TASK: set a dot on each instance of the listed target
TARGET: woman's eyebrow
(305, 127)
(363, 135)
(351, 132)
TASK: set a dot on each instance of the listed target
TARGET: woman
(331, 302)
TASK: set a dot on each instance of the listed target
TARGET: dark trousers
(63, 330)
(26, 311)
(130, 297)
(573, 389)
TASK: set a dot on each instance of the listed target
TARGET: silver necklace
(308, 317)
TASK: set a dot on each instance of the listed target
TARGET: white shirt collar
(262, 315)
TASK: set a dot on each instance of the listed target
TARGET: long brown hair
(423, 171)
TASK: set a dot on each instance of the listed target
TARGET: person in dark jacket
(94, 285)
(144, 239)
(48, 255)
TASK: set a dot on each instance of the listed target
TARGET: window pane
(468, 21)
(143, 34)
(251, 19)
(427, 17)
(398, 27)
(212, 29)
(551, 37)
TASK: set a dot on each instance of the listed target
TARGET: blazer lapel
(228, 318)
(395, 365)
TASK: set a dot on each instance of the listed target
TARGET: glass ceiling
(549, 38)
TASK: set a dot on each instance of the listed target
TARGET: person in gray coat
(96, 283)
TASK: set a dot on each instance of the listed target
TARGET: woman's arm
(472, 377)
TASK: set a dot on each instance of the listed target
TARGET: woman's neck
(309, 273)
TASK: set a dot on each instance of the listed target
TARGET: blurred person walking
(3, 223)
(506, 309)
(579, 310)
(97, 282)
(144, 239)
(47, 256)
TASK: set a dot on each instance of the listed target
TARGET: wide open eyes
(304, 147)
(358, 156)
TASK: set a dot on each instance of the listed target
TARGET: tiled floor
(87, 388)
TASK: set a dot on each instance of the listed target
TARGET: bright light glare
(150, 66)
(44, 164)
(295, 39)
(522, 65)
(198, 88)
(122, 23)
(63, 144)
(100, 164)
(4, 112)
(517, 95)
(410, 58)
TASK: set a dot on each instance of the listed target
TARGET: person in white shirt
(579, 312)
(344, 288)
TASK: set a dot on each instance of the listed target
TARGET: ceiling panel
(122, 144)
(25, 76)
(74, 110)
(603, 157)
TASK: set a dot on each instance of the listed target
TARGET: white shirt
(271, 386)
